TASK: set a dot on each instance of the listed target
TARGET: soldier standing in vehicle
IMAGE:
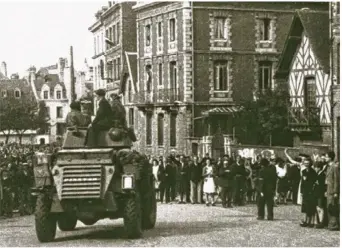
(75, 118)
(119, 111)
(103, 119)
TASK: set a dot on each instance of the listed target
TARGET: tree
(20, 115)
(265, 120)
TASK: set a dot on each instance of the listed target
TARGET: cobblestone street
(184, 225)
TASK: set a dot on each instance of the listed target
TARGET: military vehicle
(92, 183)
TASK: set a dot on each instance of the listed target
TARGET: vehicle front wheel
(45, 222)
(67, 221)
(132, 217)
(149, 213)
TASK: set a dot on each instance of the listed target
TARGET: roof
(11, 84)
(315, 25)
(51, 80)
(222, 110)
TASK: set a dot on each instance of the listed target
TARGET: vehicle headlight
(127, 181)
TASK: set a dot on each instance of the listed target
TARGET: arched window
(17, 93)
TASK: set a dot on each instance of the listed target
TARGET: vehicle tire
(45, 222)
(67, 221)
(132, 217)
(149, 212)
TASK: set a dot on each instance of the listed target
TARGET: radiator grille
(81, 182)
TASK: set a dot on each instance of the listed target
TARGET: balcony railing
(301, 116)
(158, 96)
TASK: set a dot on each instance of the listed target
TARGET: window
(221, 76)
(310, 92)
(118, 68)
(118, 33)
(265, 29)
(148, 78)
(160, 74)
(113, 34)
(173, 75)
(17, 93)
(46, 94)
(220, 29)
(131, 117)
(160, 129)
(114, 65)
(60, 128)
(4, 93)
(159, 26)
(107, 36)
(265, 75)
(173, 120)
(59, 112)
(58, 94)
(148, 129)
(47, 111)
(172, 29)
(147, 35)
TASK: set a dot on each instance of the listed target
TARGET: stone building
(196, 62)
(98, 31)
(116, 23)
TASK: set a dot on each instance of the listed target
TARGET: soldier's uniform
(119, 112)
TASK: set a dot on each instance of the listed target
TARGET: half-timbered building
(196, 63)
(304, 68)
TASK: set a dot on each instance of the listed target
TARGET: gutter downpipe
(193, 72)
(331, 39)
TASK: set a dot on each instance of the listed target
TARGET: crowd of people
(309, 181)
(16, 177)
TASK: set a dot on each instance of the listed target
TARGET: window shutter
(226, 29)
(261, 29)
(270, 28)
(216, 28)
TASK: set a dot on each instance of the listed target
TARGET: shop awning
(222, 111)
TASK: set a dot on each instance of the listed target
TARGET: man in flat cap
(103, 118)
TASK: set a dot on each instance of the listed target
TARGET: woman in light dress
(155, 171)
(209, 184)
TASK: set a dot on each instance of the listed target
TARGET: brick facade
(195, 51)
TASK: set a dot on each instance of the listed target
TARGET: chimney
(3, 68)
(110, 4)
(15, 76)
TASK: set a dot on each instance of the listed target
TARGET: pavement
(184, 225)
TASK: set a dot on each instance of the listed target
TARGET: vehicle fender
(56, 206)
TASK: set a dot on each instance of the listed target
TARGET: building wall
(195, 54)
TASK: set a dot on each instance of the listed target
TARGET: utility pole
(72, 75)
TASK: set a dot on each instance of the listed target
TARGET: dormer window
(17, 93)
(58, 94)
(46, 94)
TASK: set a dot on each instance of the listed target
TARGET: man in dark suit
(240, 174)
(184, 180)
(266, 185)
(103, 120)
(226, 182)
(196, 181)
(332, 182)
